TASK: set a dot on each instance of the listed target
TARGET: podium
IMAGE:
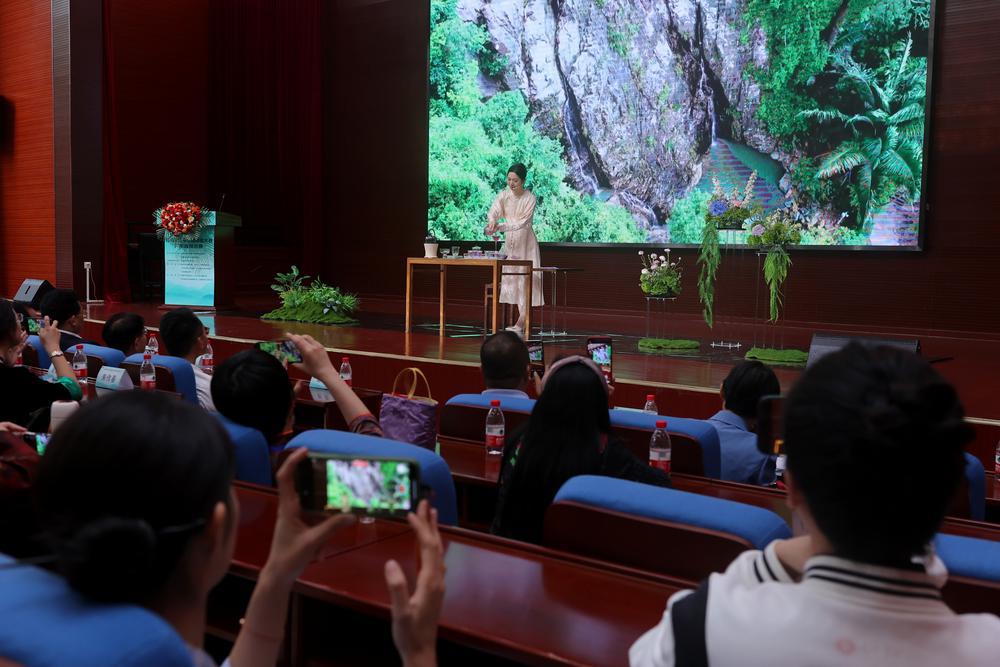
(201, 273)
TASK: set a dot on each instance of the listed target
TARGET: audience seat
(695, 442)
(172, 374)
(680, 534)
(41, 356)
(434, 472)
(99, 356)
(47, 624)
(973, 573)
(253, 455)
(975, 478)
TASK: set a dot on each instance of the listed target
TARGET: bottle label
(662, 464)
(80, 372)
(147, 384)
(494, 441)
(346, 379)
(208, 362)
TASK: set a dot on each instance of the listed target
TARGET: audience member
(63, 306)
(120, 531)
(126, 332)
(22, 314)
(736, 423)
(186, 337)
(252, 388)
(568, 434)
(24, 397)
(506, 369)
(875, 441)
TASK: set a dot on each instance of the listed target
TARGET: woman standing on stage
(515, 207)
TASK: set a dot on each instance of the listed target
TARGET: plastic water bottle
(152, 346)
(80, 363)
(147, 373)
(345, 371)
(495, 429)
(659, 447)
(779, 465)
(651, 407)
(208, 359)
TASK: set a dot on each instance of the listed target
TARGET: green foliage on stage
(773, 356)
(667, 344)
(473, 141)
(317, 302)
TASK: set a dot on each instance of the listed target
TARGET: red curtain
(114, 232)
(266, 121)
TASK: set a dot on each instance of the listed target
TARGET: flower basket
(179, 220)
(778, 231)
(659, 276)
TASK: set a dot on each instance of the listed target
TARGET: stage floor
(971, 363)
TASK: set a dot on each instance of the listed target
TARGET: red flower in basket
(179, 219)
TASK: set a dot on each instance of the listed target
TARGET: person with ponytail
(135, 504)
(875, 440)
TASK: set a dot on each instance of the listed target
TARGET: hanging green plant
(776, 233)
(728, 212)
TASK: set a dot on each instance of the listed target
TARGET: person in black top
(62, 306)
(24, 397)
(568, 434)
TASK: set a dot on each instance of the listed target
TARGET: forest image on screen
(629, 113)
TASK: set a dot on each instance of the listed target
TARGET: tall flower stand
(726, 338)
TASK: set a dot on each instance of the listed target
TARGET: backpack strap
(687, 616)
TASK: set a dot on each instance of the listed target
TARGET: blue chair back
(43, 357)
(434, 472)
(975, 477)
(680, 534)
(483, 401)
(47, 624)
(110, 356)
(253, 455)
(969, 556)
(696, 429)
(180, 369)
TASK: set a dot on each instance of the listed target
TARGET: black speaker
(823, 344)
(32, 291)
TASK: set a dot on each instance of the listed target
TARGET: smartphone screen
(536, 355)
(600, 352)
(33, 326)
(283, 350)
(384, 487)
(770, 430)
(37, 440)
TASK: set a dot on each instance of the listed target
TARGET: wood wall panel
(27, 195)
(376, 170)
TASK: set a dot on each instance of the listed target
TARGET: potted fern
(316, 302)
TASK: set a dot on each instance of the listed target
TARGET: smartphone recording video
(600, 351)
(536, 356)
(283, 350)
(373, 486)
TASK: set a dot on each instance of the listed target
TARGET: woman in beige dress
(512, 213)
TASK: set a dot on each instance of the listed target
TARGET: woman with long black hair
(568, 434)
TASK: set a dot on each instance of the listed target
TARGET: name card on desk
(316, 384)
(113, 379)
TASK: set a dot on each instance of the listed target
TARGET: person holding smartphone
(156, 526)
(25, 397)
(513, 213)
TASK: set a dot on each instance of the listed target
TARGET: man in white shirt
(875, 441)
(506, 369)
(186, 337)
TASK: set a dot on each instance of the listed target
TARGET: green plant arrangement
(727, 212)
(667, 344)
(772, 356)
(317, 302)
(777, 231)
(659, 276)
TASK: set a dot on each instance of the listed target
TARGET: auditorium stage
(692, 380)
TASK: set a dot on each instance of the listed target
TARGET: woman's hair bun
(110, 558)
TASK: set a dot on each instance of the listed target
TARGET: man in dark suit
(62, 306)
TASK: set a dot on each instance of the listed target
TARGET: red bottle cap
(79, 346)
(345, 359)
(661, 423)
(650, 397)
(495, 403)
